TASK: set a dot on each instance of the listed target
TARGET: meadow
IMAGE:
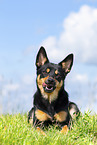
(15, 130)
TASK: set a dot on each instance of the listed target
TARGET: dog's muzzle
(49, 85)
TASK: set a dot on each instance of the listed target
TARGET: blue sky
(62, 27)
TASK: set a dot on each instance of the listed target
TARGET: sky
(62, 27)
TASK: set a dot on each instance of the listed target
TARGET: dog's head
(50, 77)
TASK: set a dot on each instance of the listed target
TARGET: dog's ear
(41, 58)
(67, 63)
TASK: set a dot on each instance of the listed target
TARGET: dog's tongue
(47, 85)
(44, 84)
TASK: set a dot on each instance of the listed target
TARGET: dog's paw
(64, 129)
(41, 131)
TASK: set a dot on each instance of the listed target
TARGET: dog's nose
(50, 81)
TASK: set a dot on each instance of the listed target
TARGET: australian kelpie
(51, 104)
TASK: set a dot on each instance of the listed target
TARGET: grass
(14, 130)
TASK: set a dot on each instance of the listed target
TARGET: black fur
(51, 103)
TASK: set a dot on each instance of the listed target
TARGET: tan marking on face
(48, 70)
(41, 116)
(61, 116)
(56, 72)
(40, 83)
(50, 96)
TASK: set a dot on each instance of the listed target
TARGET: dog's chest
(50, 97)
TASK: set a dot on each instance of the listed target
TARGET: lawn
(14, 130)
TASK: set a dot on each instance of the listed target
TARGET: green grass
(14, 130)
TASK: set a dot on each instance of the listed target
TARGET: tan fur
(61, 116)
(56, 72)
(41, 131)
(44, 60)
(65, 65)
(41, 61)
(48, 70)
(42, 116)
(65, 129)
(50, 96)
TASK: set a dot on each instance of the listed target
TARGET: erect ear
(67, 63)
(41, 58)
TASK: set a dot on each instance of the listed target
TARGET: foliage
(14, 130)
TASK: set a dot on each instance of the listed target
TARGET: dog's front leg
(63, 118)
(41, 119)
(64, 129)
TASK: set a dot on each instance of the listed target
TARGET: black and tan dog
(51, 104)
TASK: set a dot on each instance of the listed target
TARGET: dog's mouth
(49, 87)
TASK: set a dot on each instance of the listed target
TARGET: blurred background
(62, 27)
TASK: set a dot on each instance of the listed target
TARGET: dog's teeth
(49, 88)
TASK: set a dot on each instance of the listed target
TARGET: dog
(51, 104)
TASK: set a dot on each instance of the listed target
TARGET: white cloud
(1, 78)
(11, 87)
(27, 79)
(79, 36)
(82, 78)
